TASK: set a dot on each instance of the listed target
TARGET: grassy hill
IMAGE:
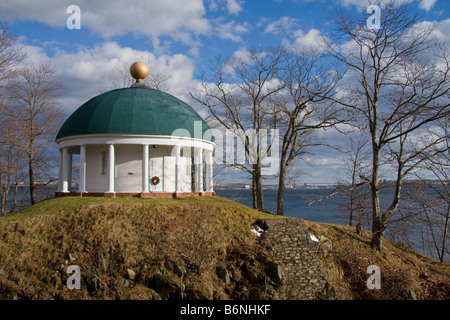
(193, 248)
(405, 273)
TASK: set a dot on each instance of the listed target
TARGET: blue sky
(180, 38)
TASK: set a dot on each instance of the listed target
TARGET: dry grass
(106, 237)
(405, 274)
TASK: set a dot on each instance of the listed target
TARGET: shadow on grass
(351, 235)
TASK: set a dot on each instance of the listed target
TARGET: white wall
(128, 169)
(95, 181)
(169, 174)
(156, 170)
(185, 174)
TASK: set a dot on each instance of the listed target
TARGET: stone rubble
(298, 256)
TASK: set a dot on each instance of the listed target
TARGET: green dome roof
(132, 111)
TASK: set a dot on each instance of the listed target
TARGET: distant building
(136, 141)
(290, 183)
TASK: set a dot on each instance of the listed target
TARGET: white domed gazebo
(136, 141)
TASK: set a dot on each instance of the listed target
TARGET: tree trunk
(31, 181)
(444, 237)
(281, 188)
(259, 189)
(352, 192)
(16, 190)
(352, 205)
(254, 194)
(4, 190)
(377, 237)
(2, 202)
(377, 232)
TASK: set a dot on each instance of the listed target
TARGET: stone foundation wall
(150, 195)
(298, 256)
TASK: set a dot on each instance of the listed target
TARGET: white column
(200, 171)
(111, 169)
(82, 177)
(198, 162)
(65, 165)
(145, 173)
(209, 171)
(177, 169)
(69, 171)
(60, 172)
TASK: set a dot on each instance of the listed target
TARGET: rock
(131, 274)
(251, 273)
(91, 283)
(175, 268)
(158, 282)
(223, 274)
(330, 292)
(167, 288)
(273, 271)
(192, 294)
(326, 242)
(256, 293)
(124, 282)
(326, 245)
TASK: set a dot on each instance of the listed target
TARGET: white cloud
(231, 30)
(177, 18)
(312, 39)
(212, 5)
(90, 71)
(234, 6)
(427, 4)
(241, 54)
(363, 4)
(441, 31)
(368, 2)
(293, 36)
(282, 25)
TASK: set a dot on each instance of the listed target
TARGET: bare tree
(32, 102)
(238, 97)
(11, 56)
(302, 108)
(11, 164)
(356, 163)
(401, 85)
(431, 195)
(352, 186)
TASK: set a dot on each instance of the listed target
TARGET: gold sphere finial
(139, 71)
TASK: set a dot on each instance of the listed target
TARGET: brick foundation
(150, 195)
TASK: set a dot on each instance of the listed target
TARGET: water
(295, 203)
(332, 210)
